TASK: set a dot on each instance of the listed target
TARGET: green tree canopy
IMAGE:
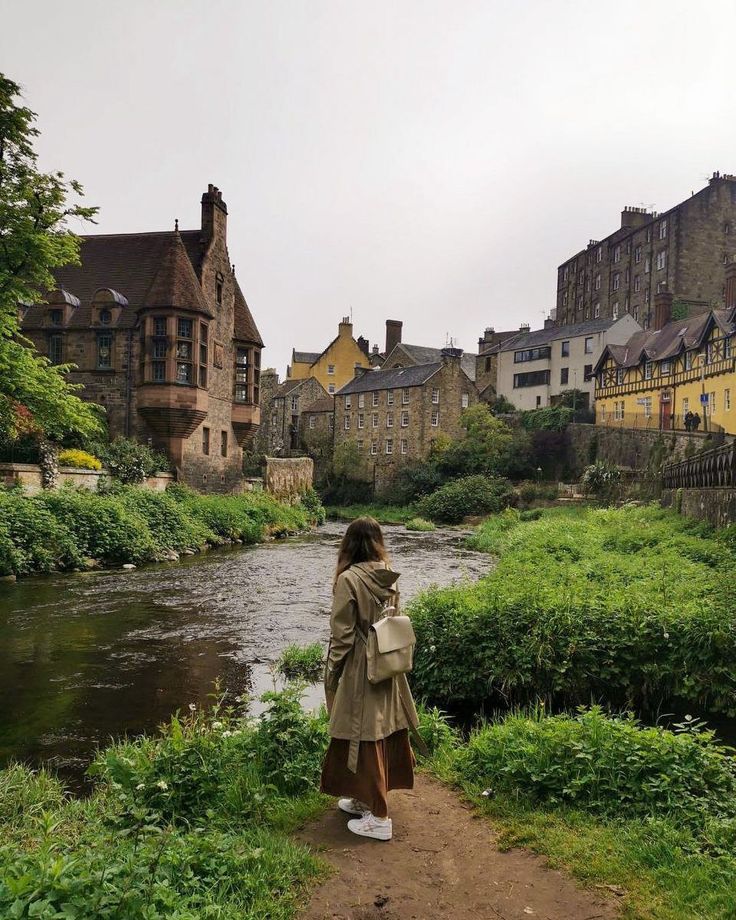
(481, 450)
(35, 238)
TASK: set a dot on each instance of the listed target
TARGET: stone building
(681, 250)
(486, 361)
(401, 354)
(393, 415)
(534, 367)
(163, 338)
(281, 428)
(334, 366)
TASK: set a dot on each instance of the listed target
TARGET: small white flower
(162, 784)
(141, 786)
(236, 732)
(217, 725)
(192, 707)
(226, 734)
(688, 718)
(432, 648)
(666, 635)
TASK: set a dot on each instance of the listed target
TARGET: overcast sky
(425, 161)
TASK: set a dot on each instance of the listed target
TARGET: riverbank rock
(168, 555)
(8, 578)
(128, 566)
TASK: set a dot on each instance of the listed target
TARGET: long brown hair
(363, 542)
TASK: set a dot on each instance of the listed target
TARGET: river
(89, 657)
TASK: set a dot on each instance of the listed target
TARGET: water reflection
(87, 657)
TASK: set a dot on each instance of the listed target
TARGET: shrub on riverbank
(189, 824)
(473, 495)
(58, 530)
(634, 606)
(384, 514)
(649, 812)
(421, 525)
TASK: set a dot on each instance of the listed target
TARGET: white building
(536, 366)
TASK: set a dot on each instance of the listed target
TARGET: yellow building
(335, 366)
(660, 376)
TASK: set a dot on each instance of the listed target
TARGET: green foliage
(189, 824)
(59, 530)
(35, 213)
(601, 479)
(633, 606)
(384, 514)
(311, 503)
(79, 459)
(463, 497)
(130, 461)
(302, 662)
(420, 524)
(481, 450)
(500, 405)
(548, 418)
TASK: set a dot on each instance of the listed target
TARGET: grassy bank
(631, 607)
(191, 824)
(384, 514)
(647, 812)
(70, 528)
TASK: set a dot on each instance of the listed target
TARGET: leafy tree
(480, 451)
(35, 211)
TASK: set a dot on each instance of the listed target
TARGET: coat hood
(379, 580)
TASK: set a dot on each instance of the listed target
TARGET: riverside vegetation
(626, 608)
(70, 529)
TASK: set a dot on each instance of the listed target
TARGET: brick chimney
(214, 215)
(730, 285)
(662, 309)
(393, 334)
(345, 327)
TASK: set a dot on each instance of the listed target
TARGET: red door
(665, 412)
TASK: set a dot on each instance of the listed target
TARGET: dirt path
(443, 862)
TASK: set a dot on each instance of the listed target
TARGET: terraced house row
(663, 376)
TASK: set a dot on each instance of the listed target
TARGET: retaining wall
(717, 506)
(288, 477)
(28, 475)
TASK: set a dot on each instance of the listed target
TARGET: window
(374, 420)
(647, 264)
(374, 447)
(727, 347)
(294, 403)
(205, 440)
(648, 370)
(348, 402)
(331, 388)
(331, 369)
(389, 420)
(204, 357)
(375, 399)
(360, 444)
(435, 418)
(603, 413)
(637, 283)
(727, 399)
(390, 398)
(404, 446)
(662, 229)
(598, 254)
(488, 365)
(404, 397)
(532, 354)
(685, 406)
(711, 405)
(565, 352)
(404, 419)
(661, 259)
(618, 410)
(649, 234)
(587, 372)
(465, 401)
(56, 317)
(361, 420)
(389, 445)
(616, 280)
(597, 309)
(539, 401)
(241, 377)
(331, 422)
(647, 405)
(589, 345)
(56, 349)
(435, 396)
(104, 351)
(564, 374)
(597, 282)
(347, 423)
(688, 360)
(614, 311)
(218, 292)
(159, 325)
(665, 368)
(223, 443)
(531, 379)
(709, 353)
(361, 401)
(637, 254)
(312, 421)
(627, 276)
(184, 351)
(617, 253)
(105, 317)
(620, 376)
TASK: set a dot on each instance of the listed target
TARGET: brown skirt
(382, 765)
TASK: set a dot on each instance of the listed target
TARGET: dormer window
(56, 317)
(105, 317)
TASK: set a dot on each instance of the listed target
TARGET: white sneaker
(371, 826)
(352, 807)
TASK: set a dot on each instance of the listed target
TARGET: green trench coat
(363, 711)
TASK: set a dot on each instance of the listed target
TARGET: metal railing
(712, 469)
(653, 422)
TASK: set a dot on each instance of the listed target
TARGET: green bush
(311, 503)
(32, 538)
(634, 606)
(463, 497)
(302, 662)
(601, 479)
(609, 765)
(420, 524)
(130, 461)
(189, 824)
(171, 524)
(548, 418)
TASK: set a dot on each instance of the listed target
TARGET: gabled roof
(244, 327)
(422, 354)
(283, 389)
(305, 357)
(538, 337)
(393, 378)
(174, 283)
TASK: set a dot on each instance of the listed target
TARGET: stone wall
(28, 476)
(717, 506)
(628, 447)
(286, 478)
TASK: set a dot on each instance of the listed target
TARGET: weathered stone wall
(288, 477)
(717, 506)
(628, 447)
(28, 476)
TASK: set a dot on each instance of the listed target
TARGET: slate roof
(305, 357)
(174, 283)
(393, 378)
(244, 327)
(422, 354)
(552, 334)
(283, 389)
(325, 404)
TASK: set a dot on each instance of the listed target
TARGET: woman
(369, 751)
